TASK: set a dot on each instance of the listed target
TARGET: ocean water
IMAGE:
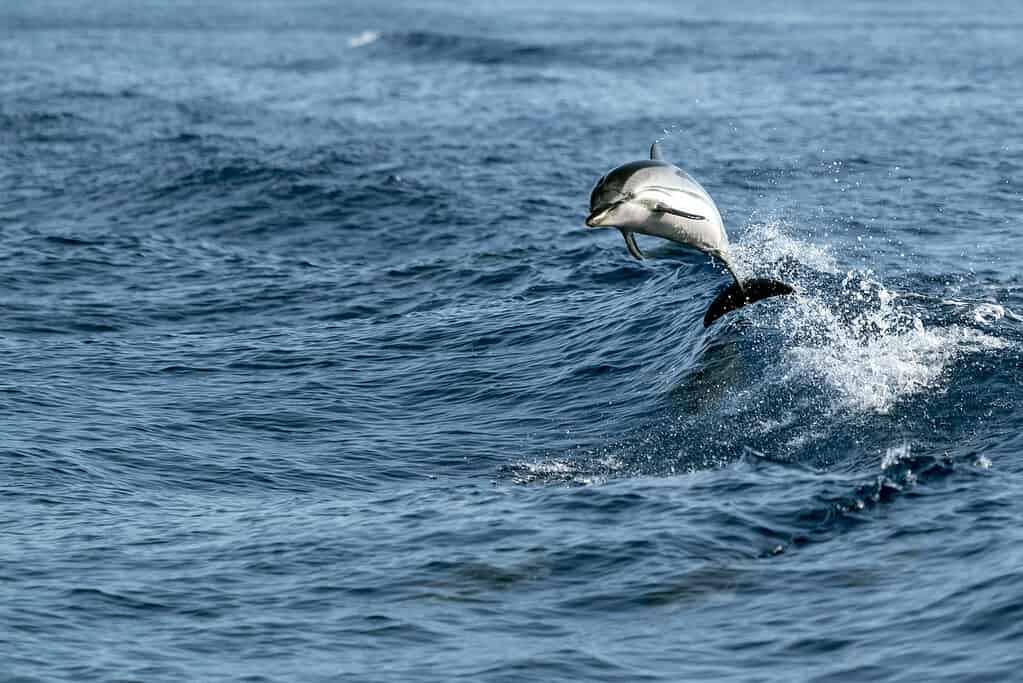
(310, 370)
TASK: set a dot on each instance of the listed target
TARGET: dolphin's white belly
(706, 234)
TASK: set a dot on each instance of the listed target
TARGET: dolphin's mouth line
(599, 212)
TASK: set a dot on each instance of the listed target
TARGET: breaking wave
(794, 378)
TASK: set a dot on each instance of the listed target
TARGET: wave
(472, 49)
(769, 506)
(834, 369)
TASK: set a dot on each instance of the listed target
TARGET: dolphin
(653, 197)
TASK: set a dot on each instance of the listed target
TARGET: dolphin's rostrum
(653, 197)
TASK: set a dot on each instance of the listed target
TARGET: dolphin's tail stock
(741, 292)
(737, 296)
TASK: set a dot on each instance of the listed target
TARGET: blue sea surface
(311, 371)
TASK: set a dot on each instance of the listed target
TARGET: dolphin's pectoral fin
(736, 296)
(655, 151)
(630, 242)
(664, 208)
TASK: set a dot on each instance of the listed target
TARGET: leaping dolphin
(653, 197)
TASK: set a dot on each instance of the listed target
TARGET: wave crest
(864, 342)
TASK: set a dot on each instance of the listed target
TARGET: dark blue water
(310, 370)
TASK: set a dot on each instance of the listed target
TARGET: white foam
(876, 357)
(893, 455)
(364, 38)
(549, 468)
(863, 345)
(583, 472)
(984, 312)
(988, 313)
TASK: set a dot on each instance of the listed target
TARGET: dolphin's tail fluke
(736, 296)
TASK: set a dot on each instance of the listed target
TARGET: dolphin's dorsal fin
(655, 151)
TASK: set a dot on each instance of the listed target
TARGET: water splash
(894, 455)
(855, 337)
(984, 312)
(771, 245)
(669, 132)
(585, 471)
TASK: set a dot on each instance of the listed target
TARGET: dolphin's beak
(594, 220)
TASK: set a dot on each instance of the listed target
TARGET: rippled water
(311, 371)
